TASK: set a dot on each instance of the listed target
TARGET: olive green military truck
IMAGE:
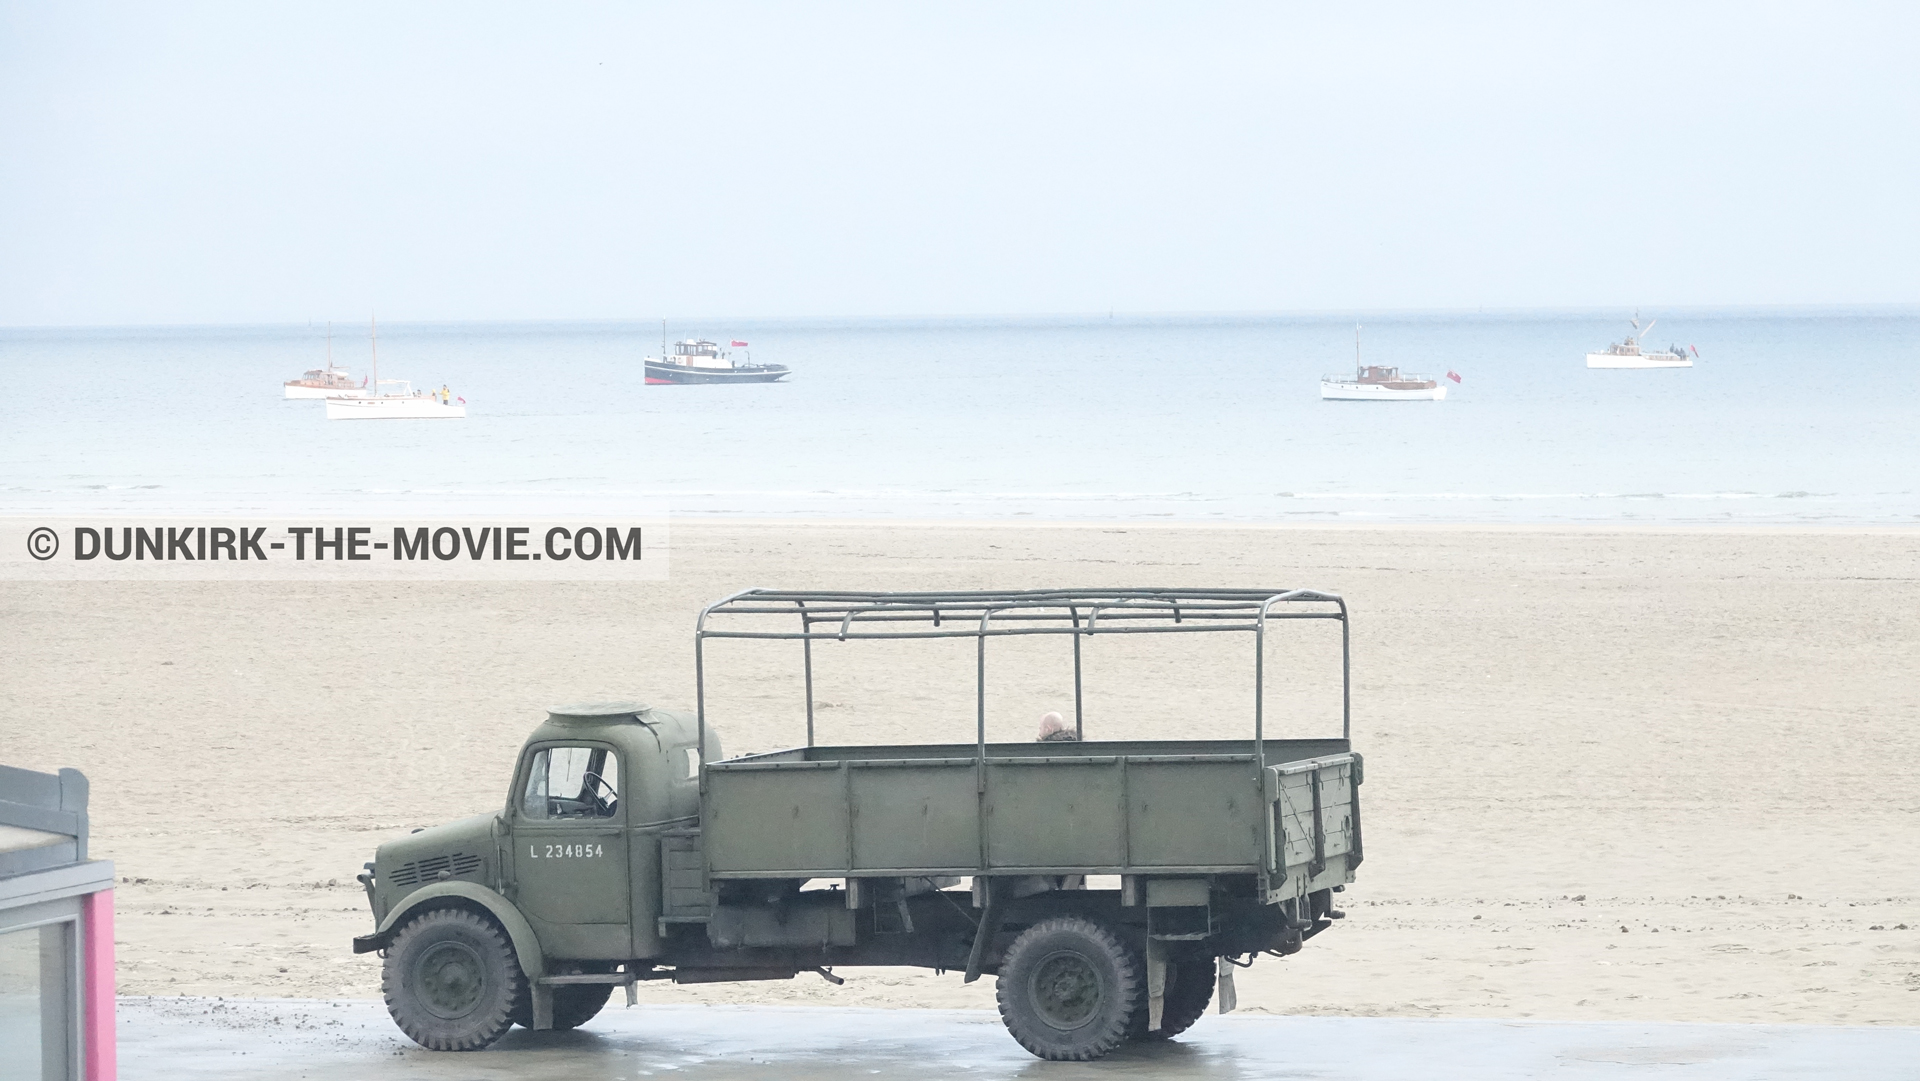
(630, 848)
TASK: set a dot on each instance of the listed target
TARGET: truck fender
(525, 945)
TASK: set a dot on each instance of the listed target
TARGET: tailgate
(1314, 823)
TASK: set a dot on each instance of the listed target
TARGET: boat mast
(329, 345)
(374, 334)
(1356, 349)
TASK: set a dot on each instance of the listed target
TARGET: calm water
(1787, 418)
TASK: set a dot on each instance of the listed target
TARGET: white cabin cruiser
(1377, 383)
(331, 381)
(327, 382)
(1629, 354)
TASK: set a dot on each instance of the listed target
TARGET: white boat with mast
(1629, 354)
(1378, 383)
(327, 382)
(406, 404)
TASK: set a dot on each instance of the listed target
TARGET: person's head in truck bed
(1054, 729)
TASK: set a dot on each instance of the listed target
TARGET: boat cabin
(1392, 379)
(699, 353)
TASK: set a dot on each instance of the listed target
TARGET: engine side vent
(431, 869)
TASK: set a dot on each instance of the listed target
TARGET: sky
(253, 163)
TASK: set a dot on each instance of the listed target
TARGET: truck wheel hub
(450, 979)
(1066, 990)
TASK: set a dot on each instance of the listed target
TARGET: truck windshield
(572, 782)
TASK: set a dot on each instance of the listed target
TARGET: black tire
(1067, 989)
(451, 980)
(1189, 992)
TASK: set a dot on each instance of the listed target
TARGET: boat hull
(392, 409)
(296, 391)
(1334, 391)
(1617, 360)
(659, 374)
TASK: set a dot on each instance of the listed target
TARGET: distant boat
(407, 404)
(1629, 354)
(697, 360)
(1375, 383)
(328, 382)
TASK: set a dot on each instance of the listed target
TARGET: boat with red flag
(697, 360)
(1379, 383)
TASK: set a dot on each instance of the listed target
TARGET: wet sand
(1612, 775)
(290, 1038)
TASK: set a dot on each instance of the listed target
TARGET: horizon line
(1064, 318)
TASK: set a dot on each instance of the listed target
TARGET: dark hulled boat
(702, 361)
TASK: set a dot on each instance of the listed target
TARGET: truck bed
(1159, 807)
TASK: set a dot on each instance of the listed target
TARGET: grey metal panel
(1193, 813)
(915, 815)
(771, 820)
(1040, 815)
(52, 802)
(69, 881)
(1099, 814)
(63, 851)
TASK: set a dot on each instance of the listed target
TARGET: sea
(1788, 418)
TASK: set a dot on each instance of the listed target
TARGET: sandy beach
(1626, 774)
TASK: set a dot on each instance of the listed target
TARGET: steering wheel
(603, 805)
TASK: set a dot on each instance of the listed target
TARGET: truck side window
(572, 782)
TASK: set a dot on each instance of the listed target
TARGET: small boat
(1629, 354)
(1377, 383)
(404, 404)
(697, 360)
(328, 382)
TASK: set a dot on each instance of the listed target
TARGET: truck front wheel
(451, 980)
(1068, 988)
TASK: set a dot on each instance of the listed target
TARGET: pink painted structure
(96, 987)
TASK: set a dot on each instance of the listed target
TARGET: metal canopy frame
(847, 616)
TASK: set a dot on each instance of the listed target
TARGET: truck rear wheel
(1189, 993)
(451, 980)
(1067, 989)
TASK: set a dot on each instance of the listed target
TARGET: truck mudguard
(533, 962)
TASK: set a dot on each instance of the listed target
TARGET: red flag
(1455, 376)
(1696, 352)
(462, 401)
(739, 345)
